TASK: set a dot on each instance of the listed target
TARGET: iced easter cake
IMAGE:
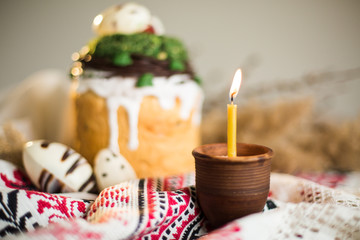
(137, 94)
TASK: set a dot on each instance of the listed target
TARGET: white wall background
(278, 41)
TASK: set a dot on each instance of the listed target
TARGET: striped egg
(56, 168)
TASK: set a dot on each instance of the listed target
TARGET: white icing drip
(132, 108)
(133, 112)
(113, 125)
(119, 91)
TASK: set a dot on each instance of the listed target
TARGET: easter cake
(136, 94)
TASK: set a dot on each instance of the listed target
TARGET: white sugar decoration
(121, 91)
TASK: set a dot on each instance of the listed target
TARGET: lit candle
(231, 114)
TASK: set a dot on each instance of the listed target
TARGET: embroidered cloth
(166, 208)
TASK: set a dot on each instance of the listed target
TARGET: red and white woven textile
(166, 208)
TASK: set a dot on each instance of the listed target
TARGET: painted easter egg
(111, 169)
(128, 18)
(55, 168)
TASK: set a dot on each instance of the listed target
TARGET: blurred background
(300, 59)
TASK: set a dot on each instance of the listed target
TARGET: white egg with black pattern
(111, 169)
(56, 168)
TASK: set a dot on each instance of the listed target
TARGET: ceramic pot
(228, 188)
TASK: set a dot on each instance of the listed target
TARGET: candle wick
(232, 98)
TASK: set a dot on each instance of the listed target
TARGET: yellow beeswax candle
(231, 129)
(231, 114)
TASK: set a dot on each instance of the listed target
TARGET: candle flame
(235, 86)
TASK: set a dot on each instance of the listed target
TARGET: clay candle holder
(228, 188)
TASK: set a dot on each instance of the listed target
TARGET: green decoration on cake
(198, 80)
(177, 65)
(122, 59)
(145, 80)
(150, 45)
(174, 49)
